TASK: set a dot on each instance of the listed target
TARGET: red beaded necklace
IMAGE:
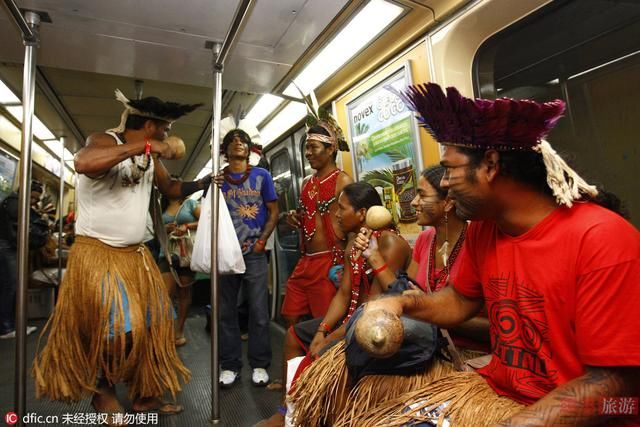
(437, 280)
(234, 181)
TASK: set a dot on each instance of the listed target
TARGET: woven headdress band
(503, 124)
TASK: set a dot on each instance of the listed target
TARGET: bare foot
(276, 420)
(104, 401)
(156, 404)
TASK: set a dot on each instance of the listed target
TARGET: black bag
(420, 345)
(38, 227)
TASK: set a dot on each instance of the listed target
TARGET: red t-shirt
(559, 297)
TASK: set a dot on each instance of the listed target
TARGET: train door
(282, 160)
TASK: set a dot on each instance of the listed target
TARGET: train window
(586, 52)
(281, 171)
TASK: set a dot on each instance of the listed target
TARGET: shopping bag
(230, 260)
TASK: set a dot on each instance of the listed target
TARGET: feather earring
(444, 250)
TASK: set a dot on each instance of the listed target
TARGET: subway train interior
(585, 52)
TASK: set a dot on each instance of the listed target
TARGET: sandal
(181, 341)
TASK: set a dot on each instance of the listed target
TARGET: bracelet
(380, 269)
(262, 242)
(282, 410)
(324, 328)
(147, 146)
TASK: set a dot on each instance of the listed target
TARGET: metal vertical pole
(24, 200)
(215, 201)
(60, 213)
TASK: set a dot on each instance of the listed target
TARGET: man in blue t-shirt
(253, 204)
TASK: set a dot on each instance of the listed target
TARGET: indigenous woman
(358, 282)
(180, 217)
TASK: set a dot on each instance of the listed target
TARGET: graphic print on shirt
(520, 334)
(245, 202)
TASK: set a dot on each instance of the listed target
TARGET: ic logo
(11, 418)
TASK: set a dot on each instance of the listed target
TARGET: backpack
(38, 226)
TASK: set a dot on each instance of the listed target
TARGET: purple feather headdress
(501, 124)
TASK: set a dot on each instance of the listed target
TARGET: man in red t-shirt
(558, 273)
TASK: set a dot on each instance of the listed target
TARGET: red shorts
(309, 289)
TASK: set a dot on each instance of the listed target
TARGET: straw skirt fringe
(79, 346)
(374, 390)
(321, 390)
(471, 402)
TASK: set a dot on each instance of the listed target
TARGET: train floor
(241, 405)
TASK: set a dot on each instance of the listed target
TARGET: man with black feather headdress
(114, 321)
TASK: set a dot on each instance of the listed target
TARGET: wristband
(262, 242)
(324, 328)
(147, 146)
(380, 269)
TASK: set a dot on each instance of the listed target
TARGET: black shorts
(304, 332)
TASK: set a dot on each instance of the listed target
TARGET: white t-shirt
(112, 209)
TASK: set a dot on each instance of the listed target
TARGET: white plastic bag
(230, 260)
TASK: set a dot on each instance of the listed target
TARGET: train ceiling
(92, 47)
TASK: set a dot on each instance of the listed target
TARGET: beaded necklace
(437, 280)
(137, 169)
(232, 180)
(357, 277)
(317, 197)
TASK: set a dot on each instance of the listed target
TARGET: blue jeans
(254, 281)
(8, 283)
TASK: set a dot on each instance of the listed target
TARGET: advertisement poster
(385, 149)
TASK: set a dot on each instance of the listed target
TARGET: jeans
(254, 283)
(8, 283)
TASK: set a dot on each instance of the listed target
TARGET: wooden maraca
(379, 333)
(178, 146)
(377, 218)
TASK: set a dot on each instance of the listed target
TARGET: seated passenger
(357, 283)
(558, 274)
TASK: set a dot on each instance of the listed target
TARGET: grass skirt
(471, 402)
(83, 342)
(323, 396)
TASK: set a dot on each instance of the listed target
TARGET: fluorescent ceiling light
(265, 105)
(7, 96)
(54, 145)
(39, 129)
(284, 120)
(357, 34)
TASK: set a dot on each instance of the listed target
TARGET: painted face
(465, 189)
(428, 204)
(237, 149)
(349, 219)
(317, 154)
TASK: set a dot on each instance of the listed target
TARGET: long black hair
(362, 195)
(433, 175)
